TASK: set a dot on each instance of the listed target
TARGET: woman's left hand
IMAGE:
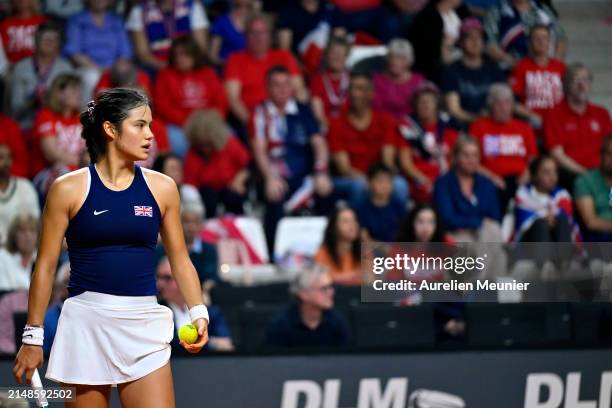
(202, 325)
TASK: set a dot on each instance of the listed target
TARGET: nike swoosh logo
(99, 212)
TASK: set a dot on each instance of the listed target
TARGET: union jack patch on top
(143, 211)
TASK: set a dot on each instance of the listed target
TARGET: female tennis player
(111, 330)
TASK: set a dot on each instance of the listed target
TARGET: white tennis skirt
(109, 339)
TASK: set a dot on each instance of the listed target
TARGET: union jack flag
(143, 211)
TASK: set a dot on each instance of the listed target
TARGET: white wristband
(198, 312)
(33, 335)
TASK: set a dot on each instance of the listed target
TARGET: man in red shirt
(574, 130)
(360, 137)
(507, 144)
(245, 72)
(537, 80)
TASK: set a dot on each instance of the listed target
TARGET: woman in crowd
(17, 259)
(329, 88)
(17, 30)
(425, 142)
(340, 252)
(217, 163)
(227, 33)
(186, 85)
(393, 88)
(544, 210)
(57, 129)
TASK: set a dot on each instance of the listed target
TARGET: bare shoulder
(164, 189)
(69, 189)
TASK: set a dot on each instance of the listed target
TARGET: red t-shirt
(142, 81)
(18, 36)
(217, 170)
(580, 135)
(251, 73)
(177, 94)
(67, 130)
(11, 136)
(539, 88)
(505, 148)
(364, 147)
(332, 91)
(356, 5)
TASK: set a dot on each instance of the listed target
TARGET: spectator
(537, 80)
(360, 137)
(380, 213)
(433, 34)
(508, 24)
(217, 163)
(124, 73)
(425, 142)
(186, 85)
(245, 71)
(593, 200)
(507, 145)
(13, 139)
(11, 303)
(329, 88)
(17, 30)
(57, 128)
(227, 33)
(340, 252)
(17, 195)
(290, 153)
(574, 129)
(311, 321)
(17, 259)
(466, 82)
(543, 209)
(299, 20)
(393, 89)
(203, 255)
(95, 40)
(153, 24)
(422, 224)
(466, 201)
(219, 337)
(172, 166)
(33, 76)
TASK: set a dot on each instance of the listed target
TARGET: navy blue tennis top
(112, 239)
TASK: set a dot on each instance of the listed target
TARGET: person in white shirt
(17, 195)
(17, 258)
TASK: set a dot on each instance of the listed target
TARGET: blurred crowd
(398, 120)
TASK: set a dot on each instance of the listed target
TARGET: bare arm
(320, 150)
(499, 55)
(233, 88)
(586, 208)
(301, 93)
(388, 156)
(284, 38)
(261, 158)
(453, 104)
(200, 36)
(343, 165)
(407, 167)
(565, 161)
(561, 50)
(318, 109)
(141, 46)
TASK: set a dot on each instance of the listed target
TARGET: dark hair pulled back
(112, 105)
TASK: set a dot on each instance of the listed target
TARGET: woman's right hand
(28, 358)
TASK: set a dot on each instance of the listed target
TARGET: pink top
(395, 97)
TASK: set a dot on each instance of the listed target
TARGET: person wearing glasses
(310, 321)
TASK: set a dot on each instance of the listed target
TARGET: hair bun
(90, 109)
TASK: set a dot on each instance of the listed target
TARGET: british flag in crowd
(143, 211)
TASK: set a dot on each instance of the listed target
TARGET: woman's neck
(541, 60)
(115, 170)
(25, 257)
(343, 247)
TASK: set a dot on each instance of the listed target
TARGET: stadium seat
(521, 324)
(298, 236)
(254, 321)
(391, 326)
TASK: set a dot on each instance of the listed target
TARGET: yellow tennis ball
(188, 333)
